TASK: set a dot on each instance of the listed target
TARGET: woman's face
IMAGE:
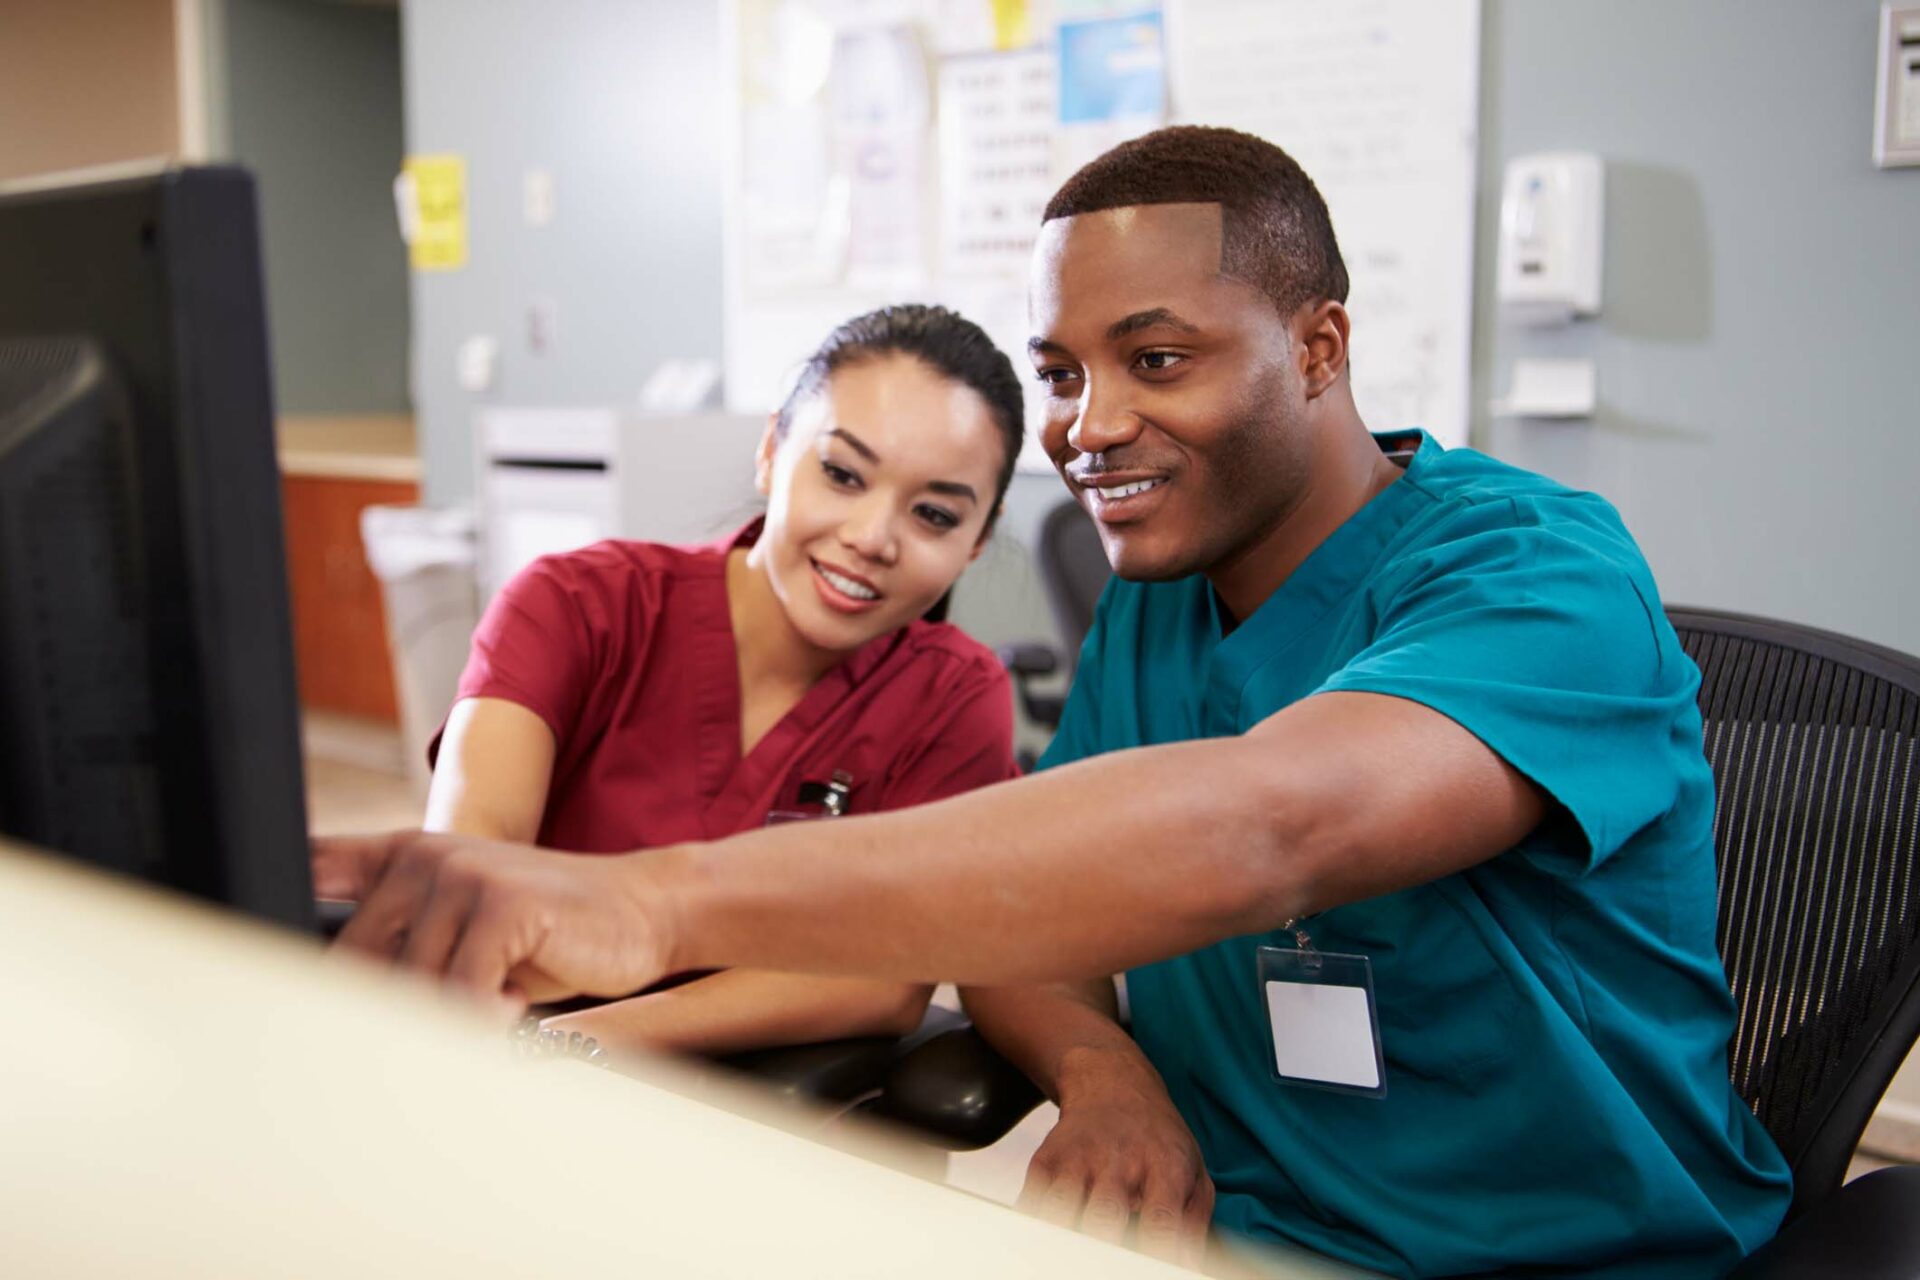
(878, 497)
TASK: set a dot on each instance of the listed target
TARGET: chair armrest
(1026, 662)
(1028, 659)
(831, 1071)
(955, 1091)
(836, 1071)
(1867, 1230)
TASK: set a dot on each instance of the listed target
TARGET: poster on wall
(790, 212)
(1113, 85)
(880, 119)
(996, 118)
(430, 197)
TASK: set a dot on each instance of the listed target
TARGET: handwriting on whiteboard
(1377, 100)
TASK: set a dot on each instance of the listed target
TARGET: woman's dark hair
(948, 343)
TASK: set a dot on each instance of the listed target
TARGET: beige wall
(85, 82)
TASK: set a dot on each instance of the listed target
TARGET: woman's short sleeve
(968, 743)
(534, 646)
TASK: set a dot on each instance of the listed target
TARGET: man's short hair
(1275, 232)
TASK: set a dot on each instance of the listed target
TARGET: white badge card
(1320, 1011)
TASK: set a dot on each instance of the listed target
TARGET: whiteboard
(901, 150)
(1378, 101)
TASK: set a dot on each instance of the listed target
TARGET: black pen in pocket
(831, 796)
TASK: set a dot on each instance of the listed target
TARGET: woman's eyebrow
(952, 488)
(955, 489)
(855, 443)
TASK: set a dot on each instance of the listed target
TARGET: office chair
(1814, 741)
(1073, 573)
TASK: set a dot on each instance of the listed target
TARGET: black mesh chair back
(1814, 741)
(1073, 571)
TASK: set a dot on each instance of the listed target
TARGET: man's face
(1173, 408)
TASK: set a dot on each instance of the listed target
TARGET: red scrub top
(626, 650)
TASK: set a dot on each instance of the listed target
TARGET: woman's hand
(1121, 1150)
(503, 921)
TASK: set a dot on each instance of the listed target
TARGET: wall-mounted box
(1896, 116)
(1549, 259)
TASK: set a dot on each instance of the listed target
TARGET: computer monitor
(148, 714)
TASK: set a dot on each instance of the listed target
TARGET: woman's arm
(493, 771)
(751, 1009)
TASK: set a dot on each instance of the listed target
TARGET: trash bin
(424, 559)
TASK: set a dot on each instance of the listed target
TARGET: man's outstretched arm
(1084, 870)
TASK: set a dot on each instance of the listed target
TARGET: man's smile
(1117, 497)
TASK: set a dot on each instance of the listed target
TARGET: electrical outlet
(536, 192)
(542, 325)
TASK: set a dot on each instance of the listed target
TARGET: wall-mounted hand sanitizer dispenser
(1550, 231)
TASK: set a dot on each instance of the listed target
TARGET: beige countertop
(350, 446)
(384, 1130)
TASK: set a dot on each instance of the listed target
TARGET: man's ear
(763, 456)
(1320, 333)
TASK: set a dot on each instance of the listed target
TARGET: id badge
(1322, 1022)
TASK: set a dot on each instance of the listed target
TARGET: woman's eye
(839, 475)
(1159, 361)
(939, 517)
(1054, 376)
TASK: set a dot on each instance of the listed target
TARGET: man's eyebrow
(1157, 317)
(1154, 317)
(854, 442)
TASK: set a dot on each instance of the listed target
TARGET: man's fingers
(346, 867)
(1053, 1195)
(436, 930)
(492, 944)
(1034, 1187)
(1195, 1223)
(1163, 1203)
(387, 909)
(1109, 1209)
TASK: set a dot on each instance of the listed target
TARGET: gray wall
(1758, 349)
(619, 100)
(1759, 339)
(309, 99)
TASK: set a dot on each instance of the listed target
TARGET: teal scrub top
(1554, 1021)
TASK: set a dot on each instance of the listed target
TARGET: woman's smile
(845, 591)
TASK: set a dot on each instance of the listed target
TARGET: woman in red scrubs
(631, 695)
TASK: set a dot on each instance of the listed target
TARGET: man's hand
(1121, 1150)
(500, 920)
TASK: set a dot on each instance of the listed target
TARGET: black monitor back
(148, 713)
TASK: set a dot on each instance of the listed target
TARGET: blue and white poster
(1113, 69)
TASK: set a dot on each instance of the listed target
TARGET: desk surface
(184, 1094)
(349, 447)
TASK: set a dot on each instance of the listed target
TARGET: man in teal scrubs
(1370, 737)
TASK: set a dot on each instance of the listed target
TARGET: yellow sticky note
(440, 199)
(1011, 26)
